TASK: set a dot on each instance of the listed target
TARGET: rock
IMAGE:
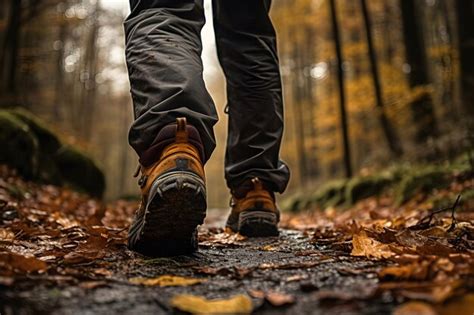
(19, 145)
(331, 194)
(47, 139)
(79, 171)
(421, 180)
(362, 187)
(37, 153)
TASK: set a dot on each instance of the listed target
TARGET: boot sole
(177, 205)
(258, 223)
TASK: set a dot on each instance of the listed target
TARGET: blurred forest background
(366, 83)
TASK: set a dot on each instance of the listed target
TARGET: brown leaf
(415, 308)
(92, 284)
(92, 249)
(279, 299)
(436, 292)
(239, 304)
(362, 245)
(225, 238)
(292, 265)
(6, 235)
(258, 294)
(460, 306)
(415, 271)
(21, 263)
(103, 272)
(6, 281)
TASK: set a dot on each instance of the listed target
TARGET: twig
(453, 219)
(422, 224)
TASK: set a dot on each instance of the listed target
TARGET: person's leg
(246, 47)
(163, 54)
(163, 48)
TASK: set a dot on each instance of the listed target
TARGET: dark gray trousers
(163, 48)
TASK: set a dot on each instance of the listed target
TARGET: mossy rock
(79, 171)
(293, 203)
(47, 139)
(330, 194)
(19, 145)
(362, 187)
(37, 153)
(422, 181)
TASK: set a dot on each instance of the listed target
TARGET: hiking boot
(254, 212)
(173, 200)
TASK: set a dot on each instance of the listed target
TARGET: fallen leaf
(434, 293)
(414, 271)
(6, 235)
(239, 304)
(279, 299)
(6, 281)
(292, 265)
(460, 306)
(362, 245)
(103, 272)
(258, 294)
(415, 308)
(269, 248)
(22, 263)
(296, 277)
(92, 284)
(167, 281)
(225, 238)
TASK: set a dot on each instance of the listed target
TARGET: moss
(330, 194)
(19, 145)
(367, 186)
(29, 146)
(79, 171)
(293, 203)
(48, 141)
(421, 181)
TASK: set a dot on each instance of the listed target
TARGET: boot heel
(258, 223)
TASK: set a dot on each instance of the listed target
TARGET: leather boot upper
(178, 156)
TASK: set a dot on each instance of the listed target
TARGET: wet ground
(64, 253)
(310, 280)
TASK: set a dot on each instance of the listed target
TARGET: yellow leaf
(167, 281)
(239, 304)
(362, 245)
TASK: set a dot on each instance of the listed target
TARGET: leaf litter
(412, 252)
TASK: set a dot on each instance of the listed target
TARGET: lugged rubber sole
(176, 206)
(258, 224)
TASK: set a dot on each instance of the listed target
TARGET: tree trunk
(59, 86)
(299, 116)
(388, 130)
(9, 61)
(342, 96)
(465, 19)
(89, 83)
(415, 53)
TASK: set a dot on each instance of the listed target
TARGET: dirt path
(63, 253)
(310, 279)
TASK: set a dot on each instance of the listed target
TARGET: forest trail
(63, 253)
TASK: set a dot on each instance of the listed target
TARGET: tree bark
(415, 53)
(342, 96)
(388, 130)
(9, 61)
(465, 26)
